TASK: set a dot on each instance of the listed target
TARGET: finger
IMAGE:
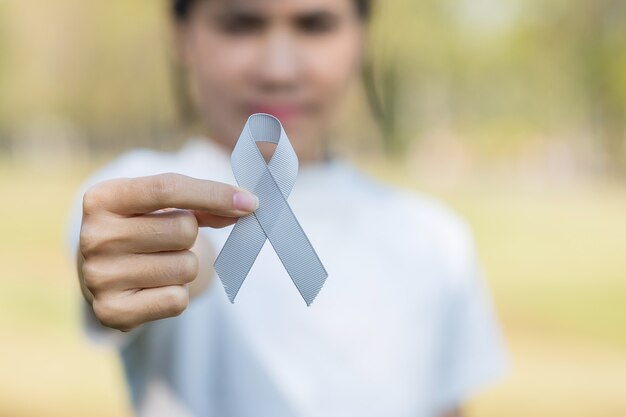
(159, 231)
(135, 271)
(130, 309)
(205, 219)
(128, 196)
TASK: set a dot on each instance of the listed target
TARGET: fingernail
(244, 200)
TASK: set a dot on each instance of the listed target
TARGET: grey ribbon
(273, 220)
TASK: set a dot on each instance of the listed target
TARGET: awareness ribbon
(273, 220)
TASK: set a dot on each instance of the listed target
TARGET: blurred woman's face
(294, 59)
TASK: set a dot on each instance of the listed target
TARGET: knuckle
(92, 276)
(175, 300)
(92, 199)
(186, 226)
(88, 239)
(96, 196)
(100, 275)
(109, 314)
(164, 185)
(96, 238)
(189, 266)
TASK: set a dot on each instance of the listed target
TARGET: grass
(554, 257)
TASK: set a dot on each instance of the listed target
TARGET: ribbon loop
(274, 220)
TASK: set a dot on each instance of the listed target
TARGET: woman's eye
(318, 24)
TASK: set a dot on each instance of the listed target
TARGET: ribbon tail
(289, 240)
(238, 254)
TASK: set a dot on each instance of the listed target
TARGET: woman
(403, 325)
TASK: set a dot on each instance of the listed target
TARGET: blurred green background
(511, 111)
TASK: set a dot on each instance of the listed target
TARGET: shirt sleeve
(472, 348)
(131, 163)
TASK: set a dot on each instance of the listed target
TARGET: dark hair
(180, 8)
(379, 104)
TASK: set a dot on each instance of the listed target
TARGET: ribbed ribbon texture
(273, 220)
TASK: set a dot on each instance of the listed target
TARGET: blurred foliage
(501, 70)
(100, 66)
(495, 73)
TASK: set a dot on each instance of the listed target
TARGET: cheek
(221, 68)
(332, 64)
(219, 71)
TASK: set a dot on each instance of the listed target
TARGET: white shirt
(404, 325)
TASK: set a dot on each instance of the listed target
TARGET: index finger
(128, 196)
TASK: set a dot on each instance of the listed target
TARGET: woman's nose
(279, 66)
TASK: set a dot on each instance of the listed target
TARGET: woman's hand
(136, 237)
